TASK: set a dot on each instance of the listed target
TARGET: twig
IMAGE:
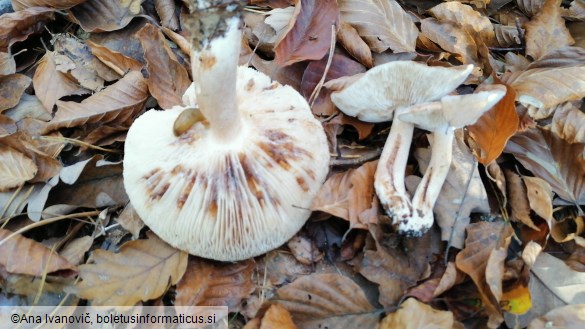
(317, 89)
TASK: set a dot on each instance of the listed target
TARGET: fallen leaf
(20, 255)
(304, 249)
(493, 129)
(56, 4)
(18, 26)
(413, 314)
(576, 261)
(539, 196)
(15, 168)
(105, 15)
(142, 270)
(467, 18)
(568, 123)
(452, 39)
(277, 317)
(29, 106)
(547, 31)
(557, 162)
(50, 84)
(74, 251)
(507, 36)
(130, 220)
(310, 36)
(382, 24)
(279, 267)
(450, 278)
(11, 89)
(352, 42)
(347, 195)
(117, 102)
(566, 317)
(517, 300)
(530, 7)
(166, 11)
(7, 126)
(7, 64)
(167, 79)
(518, 199)
(209, 283)
(118, 62)
(568, 229)
(327, 300)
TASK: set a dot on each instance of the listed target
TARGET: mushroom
(442, 118)
(386, 92)
(231, 175)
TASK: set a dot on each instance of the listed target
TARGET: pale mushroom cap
(233, 200)
(384, 88)
(453, 111)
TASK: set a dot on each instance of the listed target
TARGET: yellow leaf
(517, 300)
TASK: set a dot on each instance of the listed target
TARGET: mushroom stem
(430, 186)
(214, 75)
(389, 180)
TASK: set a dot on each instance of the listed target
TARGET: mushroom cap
(231, 200)
(453, 111)
(384, 88)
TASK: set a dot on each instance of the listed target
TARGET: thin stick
(75, 141)
(317, 89)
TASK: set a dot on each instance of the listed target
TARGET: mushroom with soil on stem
(233, 174)
(384, 93)
(442, 118)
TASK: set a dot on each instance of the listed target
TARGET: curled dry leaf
(413, 314)
(349, 194)
(118, 62)
(352, 42)
(20, 255)
(566, 317)
(551, 158)
(530, 7)
(105, 15)
(15, 168)
(166, 11)
(167, 79)
(142, 270)
(11, 89)
(74, 251)
(507, 36)
(547, 31)
(209, 283)
(382, 24)
(310, 36)
(18, 26)
(540, 197)
(117, 102)
(518, 199)
(467, 18)
(130, 220)
(452, 39)
(568, 123)
(55, 4)
(327, 300)
(276, 317)
(569, 229)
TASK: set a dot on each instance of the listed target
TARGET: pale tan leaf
(130, 220)
(105, 15)
(354, 44)
(7, 64)
(117, 102)
(19, 25)
(20, 255)
(118, 62)
(452, 39)
(518, 199)
(11, 89)
(568, 122)
(413, 314)
(547, 31)
(29, 107)
(15, 168)
(547, 87)
(467, 18)
(304, 249)
(566, 317)
(382, 24)
(166, 11)
(142, 270)
(327, 300)
(74, 251)
(540, 196)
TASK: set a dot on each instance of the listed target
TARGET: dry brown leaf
(547, 31)
(493, 129)
(167, 79)
(20, 255)
(142, 270)
(540, 197)
(413, 314)
(483, 239)
(530, 7)
(277, 317)
(566, 317)
(568, 229)
(209, 283)
(118, 62)
(15, 168)
(382, 24)
(568, 123)
(50, 84)
(130, 220)
(452, 39)
(549, 157)
(569, 56)
(56, 4)
(166, 11)
(547, 87)
(450, 278)
(279, 267)
(179, 40)
(310, 36)
(17, 26)
(467, 18)
(117, 102)
(507, 36)
(7, 126)
(29, 107)
(347, 195)
(105, 15)
(74, 251)
(289, 75)
(7, 64)
(496, 175)
(327, 301)
(11, 89)
(352, 42)
(518, 199)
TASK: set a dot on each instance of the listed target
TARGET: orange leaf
(277, 317)
(493, 129)
(118, 62)
(310, 36)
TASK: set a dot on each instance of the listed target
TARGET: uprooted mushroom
(392, 91)
(232, 174)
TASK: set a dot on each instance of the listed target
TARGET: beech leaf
(568, 122)
(142, 270)
(56, 4)
(105, 15)
(15, 168)
(118, 62)
(17, 26)
(546, 31)
(11, 89)
(413, 314)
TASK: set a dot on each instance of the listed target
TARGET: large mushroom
(385, 93)
(233, 174)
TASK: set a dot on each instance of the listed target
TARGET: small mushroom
(383, 93)
(231, 175)
(442, 118)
